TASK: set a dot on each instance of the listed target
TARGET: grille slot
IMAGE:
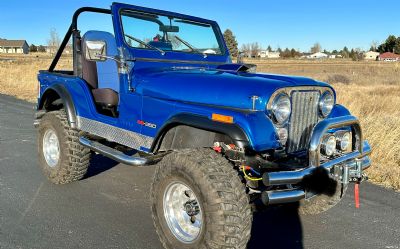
(304, 117)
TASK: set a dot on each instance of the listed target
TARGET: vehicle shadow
(99, 164)
(277, 227)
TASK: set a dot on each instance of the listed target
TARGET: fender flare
(66, 99)
(233, 131)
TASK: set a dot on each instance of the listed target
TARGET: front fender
(250, 129)
(339, 111)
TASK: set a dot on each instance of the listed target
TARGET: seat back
(89, 69)
(101, 74)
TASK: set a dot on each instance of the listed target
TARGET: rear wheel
(199, 201)
(61, 157)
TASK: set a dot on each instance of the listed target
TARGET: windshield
(150, 31)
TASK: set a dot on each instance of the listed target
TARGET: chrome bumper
(351, 165)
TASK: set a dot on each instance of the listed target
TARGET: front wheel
(199, 201)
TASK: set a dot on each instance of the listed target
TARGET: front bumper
(350, 166)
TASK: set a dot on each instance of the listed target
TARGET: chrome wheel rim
(51, 148)
(182, 211)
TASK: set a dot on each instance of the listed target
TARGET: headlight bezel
(340, 138)
(281, 97)
(322, 101)
(329, 150)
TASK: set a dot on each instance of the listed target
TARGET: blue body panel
(180, 83)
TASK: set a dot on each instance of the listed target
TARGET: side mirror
(95, 50)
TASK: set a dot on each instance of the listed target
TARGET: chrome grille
(304, 117)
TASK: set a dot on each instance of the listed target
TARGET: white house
(14, 46)
(371, 55)
(318, 55)
(268, 54)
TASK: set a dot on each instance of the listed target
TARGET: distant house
(318, 55)
(371, 55)
(14, 46)
(389, 57)
(268, 54)
(273, 55)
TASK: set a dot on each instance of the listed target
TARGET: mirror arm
(108, 57)
(122, 66)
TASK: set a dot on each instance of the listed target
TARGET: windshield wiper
(145, 44)
(187, 44)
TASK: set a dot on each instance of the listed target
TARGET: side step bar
(116, 154)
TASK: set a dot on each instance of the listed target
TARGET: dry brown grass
(371, 90)
(18, 73)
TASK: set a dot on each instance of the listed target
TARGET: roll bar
(76, 46)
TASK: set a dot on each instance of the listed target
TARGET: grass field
(371, 90)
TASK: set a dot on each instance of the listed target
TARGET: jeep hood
(214, 87)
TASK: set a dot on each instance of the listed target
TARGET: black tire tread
(230, 201)
(75, 158)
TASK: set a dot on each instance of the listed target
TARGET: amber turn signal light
(222, 118)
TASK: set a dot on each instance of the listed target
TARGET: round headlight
(281, 108)
(326, 103)
(343, 140)
(328, 145)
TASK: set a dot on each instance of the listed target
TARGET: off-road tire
(74, 158)
(225, 204)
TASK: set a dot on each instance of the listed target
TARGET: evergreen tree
(41, 49)
(397, 46)
(33, 48)
(345, 52)
(231, 42)
(392, 44)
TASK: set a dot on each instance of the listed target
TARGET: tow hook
(357, 176)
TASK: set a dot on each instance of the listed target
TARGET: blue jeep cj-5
(162, 90)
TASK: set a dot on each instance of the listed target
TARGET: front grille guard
(321, 129)
(355, 161)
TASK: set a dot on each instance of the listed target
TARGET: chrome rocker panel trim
(114, 134)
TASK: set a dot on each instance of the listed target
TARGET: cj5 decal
(147, 124)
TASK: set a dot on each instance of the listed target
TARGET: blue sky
(285, 23)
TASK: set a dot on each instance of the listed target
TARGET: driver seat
(102, 77)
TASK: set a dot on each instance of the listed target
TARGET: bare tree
(53, 43)
(316, 48)
(374, 45)
(255, 49)
(245, 49)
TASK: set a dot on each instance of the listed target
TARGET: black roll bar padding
(73, 30)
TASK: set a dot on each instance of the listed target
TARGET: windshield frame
(214, 26)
